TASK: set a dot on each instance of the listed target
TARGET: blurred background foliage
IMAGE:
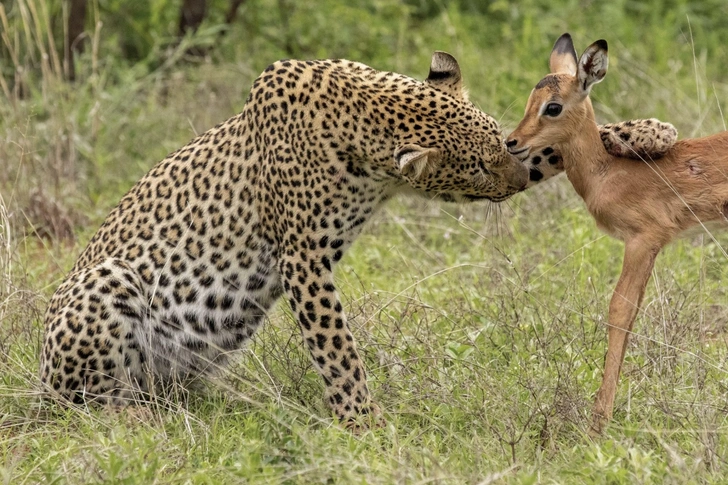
(388, 34)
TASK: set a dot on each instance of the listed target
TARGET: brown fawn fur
(645, 204)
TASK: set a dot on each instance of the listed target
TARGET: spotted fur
(185, 268)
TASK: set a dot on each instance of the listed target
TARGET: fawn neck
(583, 151)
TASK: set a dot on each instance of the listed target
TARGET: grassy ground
(482, 326)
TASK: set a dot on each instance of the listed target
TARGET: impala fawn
(645, 204)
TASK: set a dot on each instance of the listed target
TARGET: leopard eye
(553, 109)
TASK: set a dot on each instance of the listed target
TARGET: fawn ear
(563, 56)
(593, 65)
(414, 161)
(445, 74)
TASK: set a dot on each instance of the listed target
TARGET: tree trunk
(232, 12)
(191, 16)
(74, 36)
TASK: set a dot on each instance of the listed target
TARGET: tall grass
(484, 340)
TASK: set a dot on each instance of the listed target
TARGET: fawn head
(559, 105)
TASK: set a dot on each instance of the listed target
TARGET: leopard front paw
(369, 417)
(647, 139)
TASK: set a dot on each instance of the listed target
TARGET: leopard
(185, 269)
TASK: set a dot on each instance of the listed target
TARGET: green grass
(483, 328)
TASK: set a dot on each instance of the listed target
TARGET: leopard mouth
(474, 198)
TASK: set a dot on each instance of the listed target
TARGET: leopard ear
(414, 161)
(445, 75)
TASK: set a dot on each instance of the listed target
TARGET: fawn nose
(511, 144)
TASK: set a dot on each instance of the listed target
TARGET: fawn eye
(553, 109)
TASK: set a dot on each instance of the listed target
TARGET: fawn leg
(639, 259)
